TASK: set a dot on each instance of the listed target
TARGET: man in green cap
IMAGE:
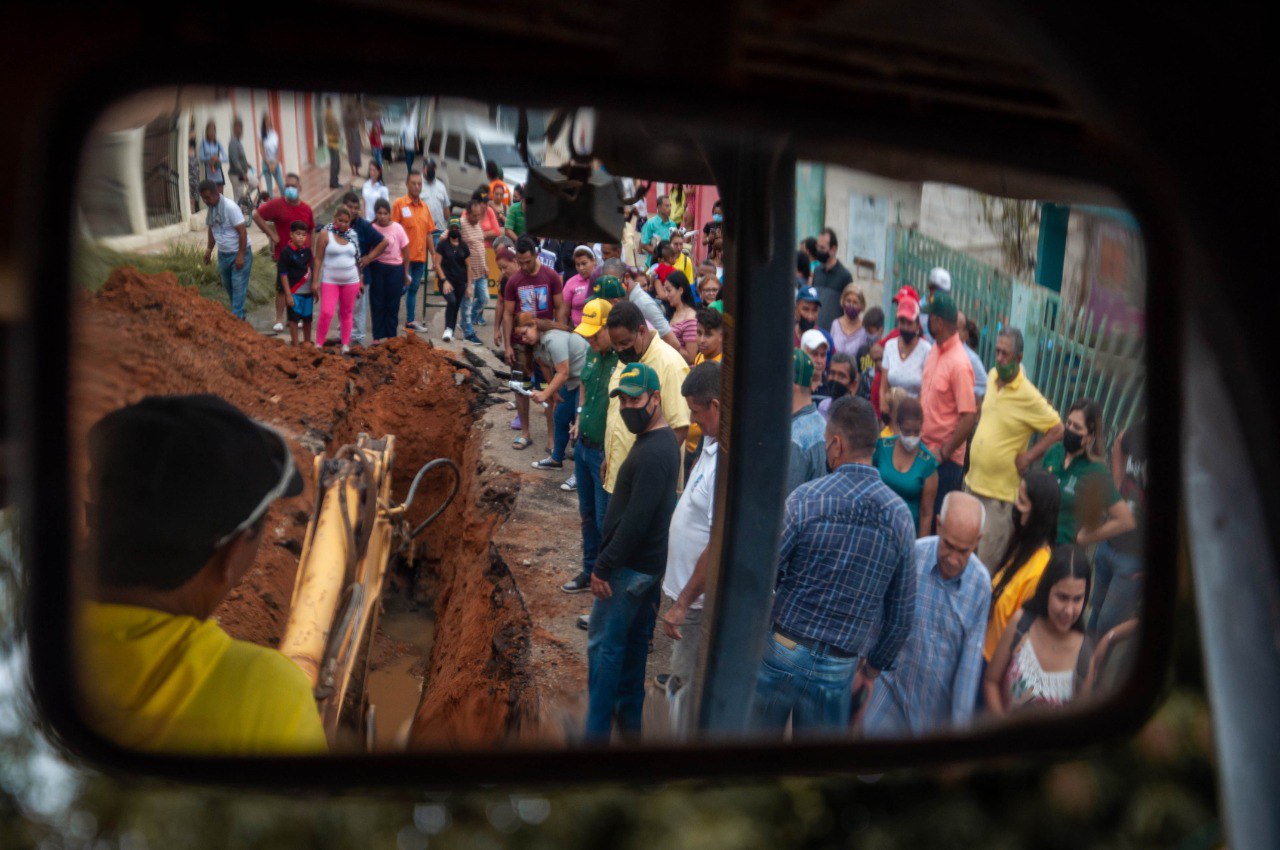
(609, 288)
(808, 426)
(627, 578)
(946, 396)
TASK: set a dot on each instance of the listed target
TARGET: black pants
(334, 165)
(450, 307)
(950, 477)
(386, 286)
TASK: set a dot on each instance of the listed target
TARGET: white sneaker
(277, 327)
(346, 349)
(447, 335)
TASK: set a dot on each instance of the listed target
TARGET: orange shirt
(415, 218)
(946, 394)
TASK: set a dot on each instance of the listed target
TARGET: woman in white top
(1042, 656)
(269, 151)
(337, 267)
(904, 355)
(373, 189)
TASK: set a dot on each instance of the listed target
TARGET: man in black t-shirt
(627, 577)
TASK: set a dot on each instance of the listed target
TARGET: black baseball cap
(174, 478)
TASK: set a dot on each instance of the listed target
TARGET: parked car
(461, 145)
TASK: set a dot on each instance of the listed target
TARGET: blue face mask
(717, 218)
(291, 193)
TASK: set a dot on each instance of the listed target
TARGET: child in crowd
(294, 271)
(710, 336)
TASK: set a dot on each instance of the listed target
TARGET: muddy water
(396, 688)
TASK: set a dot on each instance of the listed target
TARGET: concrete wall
(953, 215)
(891, 202)
(122, 153)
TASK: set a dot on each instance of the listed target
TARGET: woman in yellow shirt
(1013, 580)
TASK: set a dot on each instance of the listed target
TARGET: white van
(461, 144)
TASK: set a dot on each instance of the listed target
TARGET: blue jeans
(479, 298)
(617, 649)
(236, 282)
(467, 312)
(565, 411)
(593, 501)
(812, 688)
(416, 271)
(377, 157)
(408, 158)
(1117, 589)
(268, 173)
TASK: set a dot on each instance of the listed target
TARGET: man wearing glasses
(179, 488)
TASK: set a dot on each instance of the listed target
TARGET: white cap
(812, 338)
(940, 278)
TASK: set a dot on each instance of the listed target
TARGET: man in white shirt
(436, 196)
(227, 231)
(689, 544)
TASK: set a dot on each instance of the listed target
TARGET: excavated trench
(454, 627)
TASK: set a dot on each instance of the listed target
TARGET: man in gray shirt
(829, 278)
(649, 308)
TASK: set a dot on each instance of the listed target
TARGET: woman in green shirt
(1091, 507)
(907, 467)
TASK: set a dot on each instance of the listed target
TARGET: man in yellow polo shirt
(1012, 410)
(635, 342)
(413, 214)
(179, 490)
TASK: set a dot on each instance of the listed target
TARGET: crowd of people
(952, 545)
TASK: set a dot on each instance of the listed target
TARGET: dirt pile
(142, 335)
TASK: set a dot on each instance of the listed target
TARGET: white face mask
(909, 443)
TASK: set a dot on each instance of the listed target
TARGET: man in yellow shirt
(179, 491)
(1012, 410)
(635, 342)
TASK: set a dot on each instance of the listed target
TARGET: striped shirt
(846, 566)
(936, 679)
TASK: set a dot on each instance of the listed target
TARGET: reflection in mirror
(398, 431)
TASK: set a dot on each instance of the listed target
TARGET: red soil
(143, 335)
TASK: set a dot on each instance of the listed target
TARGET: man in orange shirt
(947, 397)
(413, 214)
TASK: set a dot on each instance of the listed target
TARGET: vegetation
(92, 264)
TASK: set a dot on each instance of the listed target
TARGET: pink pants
(343, 297)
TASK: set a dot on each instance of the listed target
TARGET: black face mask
(431, 175)
(1072, 442)
(907, 336)
(836, 389)
(806, 325)
(628, 355)
(455, 234)
(822, 256)
(636, 418)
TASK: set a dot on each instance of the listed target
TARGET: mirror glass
(384, 444)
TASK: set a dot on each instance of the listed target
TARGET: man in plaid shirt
(935, 681)
(846, 587)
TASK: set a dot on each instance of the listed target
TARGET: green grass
(92, 264)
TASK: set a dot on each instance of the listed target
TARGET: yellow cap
(594, 314)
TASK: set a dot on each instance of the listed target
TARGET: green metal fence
(1069, 355)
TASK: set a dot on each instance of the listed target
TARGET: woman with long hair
(1014, 578)
(564, 353)
(269, 150)
(1091, 506)
(373, 189)
(676, 296)
(1042, 657)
